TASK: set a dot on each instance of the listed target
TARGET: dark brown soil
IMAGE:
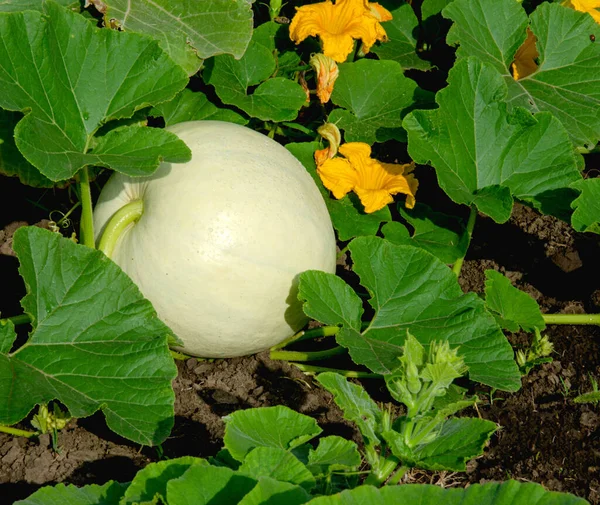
(545, 437)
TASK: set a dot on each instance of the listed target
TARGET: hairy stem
(456, 268)
(17, 320)
(86, 230)
(312, 370)
(572, 318)
(117, 224)
(17, 432)
(307, 356)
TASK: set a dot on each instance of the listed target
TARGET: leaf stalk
(457, 267)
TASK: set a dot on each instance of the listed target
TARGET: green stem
(17, 432)
(307, 356)
(456, 268)
(397, 477)
(117, 224)
(17, 320)
(179, 355)
(86, 229)
(572, 318)
(379, 475)
(312, 370)
(323, 331)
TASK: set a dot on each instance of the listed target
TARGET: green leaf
(460, 440)
(515, 308)
(188, 31)
(273, 99)
(587, 206)
(209, 485)
(67, 93)
(567, 82)
(402, 32)
(96, 342)
(270, 492)
(35, 5)
(442, 235)
(492, 493)
(373, 95)
(411, 289)
(151, 482)
(347, 215)
(193, 106)
(333, 453)
(356, 404)
(278, 464)
(327, 298)
(482, 154)
(93, 494)
(278, 427)
(12, 162)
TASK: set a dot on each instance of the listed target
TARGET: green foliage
(89, 349)
(190, 31)
(587, 206)
(483, 154)
(409, 289)
(567, 82)
(513, 308)
(53, 87)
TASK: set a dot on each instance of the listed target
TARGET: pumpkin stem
(118, 223)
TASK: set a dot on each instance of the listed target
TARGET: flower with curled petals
(326, 72)
(339, 24)
(374, 182)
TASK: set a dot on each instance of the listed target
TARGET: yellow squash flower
(524, 63)
(326, 72)
(374, 182)
(339, 24)
(589, 6)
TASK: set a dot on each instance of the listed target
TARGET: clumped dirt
(545, 437)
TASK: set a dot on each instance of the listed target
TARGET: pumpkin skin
(223, 238)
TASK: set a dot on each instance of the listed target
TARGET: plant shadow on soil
(544, 437)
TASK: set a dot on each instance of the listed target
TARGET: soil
(545, 437)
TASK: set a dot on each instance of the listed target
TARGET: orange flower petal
(338, 24)
(338, 176)
(374, 182)
(589, 6)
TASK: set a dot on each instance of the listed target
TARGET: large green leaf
(272, 99)
(93, 494)
(347, 215)
(35, 5)
(511, 492)
(402, 32)
(70, 78)
(373, 95)
(485, 156)
(278, 464)
(188, 31)
(333, 453)
(150, 483)
(194, 106)
(587, 206)
(442, 235)
(514, 308)
(278, 427)
(209, 485)
(411, 289)
(96, 342)
(567, 82)
(12, 162)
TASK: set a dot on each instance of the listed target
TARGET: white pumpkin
(223, 238)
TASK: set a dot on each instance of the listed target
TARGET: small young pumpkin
(223, 238)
